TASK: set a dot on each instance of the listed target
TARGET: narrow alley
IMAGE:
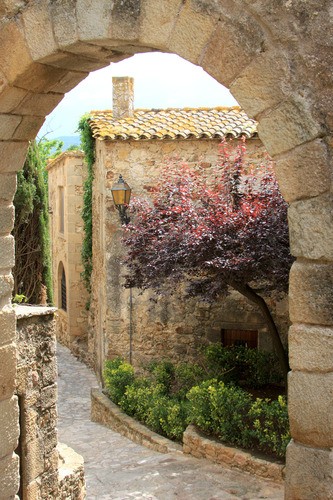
(117, 469)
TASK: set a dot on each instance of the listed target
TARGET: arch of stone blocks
(275, 57)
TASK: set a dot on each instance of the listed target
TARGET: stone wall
(197, 444)
(37, 393)
(36, 389)
(276, 57)
(68, 172)
(142, 327)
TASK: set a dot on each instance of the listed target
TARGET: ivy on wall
(88, 146)
(32, 271)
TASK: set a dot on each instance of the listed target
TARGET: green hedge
(230, 414)
(223, 410)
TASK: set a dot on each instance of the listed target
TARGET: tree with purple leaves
(214, 229)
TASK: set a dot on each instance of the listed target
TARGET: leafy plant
(229, 413)
(88, 147)
(32, 271)
(219, 409)
(249, 367)
(118, 375)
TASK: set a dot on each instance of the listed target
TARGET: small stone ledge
(71, 474)
(25, 311)
(198, 445)
(107, 413)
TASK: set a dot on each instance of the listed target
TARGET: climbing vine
(88, 146)
(32, 271)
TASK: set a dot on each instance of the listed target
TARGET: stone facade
(42, 474)
(276, 58)
(66, 175)
(142, 327)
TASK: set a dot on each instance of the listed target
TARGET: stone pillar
(309, 455)
(123, 96)
(9, 415)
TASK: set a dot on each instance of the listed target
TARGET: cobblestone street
(118, 469)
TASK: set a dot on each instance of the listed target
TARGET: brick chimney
(123, 96)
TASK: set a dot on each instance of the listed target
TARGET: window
(63, 294)
(246, 338)
(61, 210)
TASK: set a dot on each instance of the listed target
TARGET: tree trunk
(250, 294)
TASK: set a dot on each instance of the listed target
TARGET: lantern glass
(121, 192)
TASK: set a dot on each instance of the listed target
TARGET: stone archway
(274, 58)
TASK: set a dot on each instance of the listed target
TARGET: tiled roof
(183, 123)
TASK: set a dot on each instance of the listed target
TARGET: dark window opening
(246, 338)
(63, 291)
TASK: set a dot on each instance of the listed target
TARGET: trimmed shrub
(163, 373)
(242, 366)
(151, 406)
(270, 426)
(223, 410)
(220, 410)
(230, 414)
(118, 375)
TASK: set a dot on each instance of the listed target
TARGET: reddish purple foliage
(213, 228)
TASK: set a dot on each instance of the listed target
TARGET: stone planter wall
(196, 444)
(200, 446)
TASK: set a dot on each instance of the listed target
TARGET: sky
(160, 81)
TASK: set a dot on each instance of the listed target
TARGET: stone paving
(117, 469)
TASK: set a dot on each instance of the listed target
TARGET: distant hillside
(69, 140)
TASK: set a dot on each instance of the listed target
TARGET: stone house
(135, 143)
(66, 175)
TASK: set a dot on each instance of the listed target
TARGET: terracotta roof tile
(184, 123)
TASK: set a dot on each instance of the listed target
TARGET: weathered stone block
(310, 348)
(34, 459)
(191, 33)
(8, 125)
(73, 62)
(63, 15)
(9, 474)
(6, 219)
(12, 156)
(68, 81)
(7, 187)
(311, 293)
(8, 371)
(311, 228)
(49, 396)
(157, 35)
(9, 418)
(7, 325)
(263, 83)
(14, 56)
(295, 173)
(93, 23)
(286, 127)
(40, 41)
(6, 285)
(308, 473)
(10, 98)
(7, 252)
(226, 54)
(42, 104)
(41, 79)
(310, 408)
(28, 128)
